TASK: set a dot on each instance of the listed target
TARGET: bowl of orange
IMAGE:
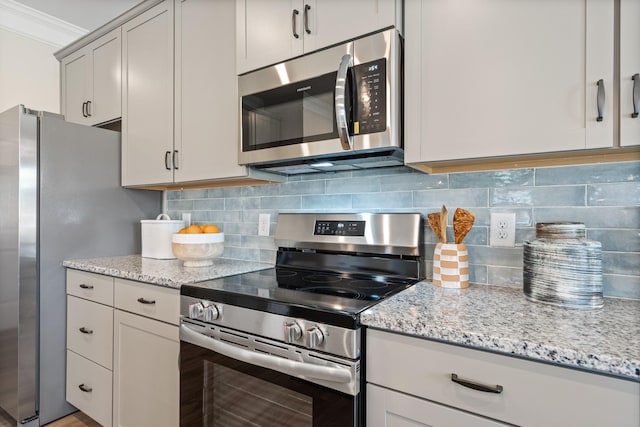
(198, 245)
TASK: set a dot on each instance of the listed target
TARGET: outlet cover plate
(263, 224)
(503, 230)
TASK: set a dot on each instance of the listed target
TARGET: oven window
(236, 399)
(218, 391)
(290, 114)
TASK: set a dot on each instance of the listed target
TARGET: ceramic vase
(451, 265)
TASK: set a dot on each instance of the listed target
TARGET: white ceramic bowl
(197, 250)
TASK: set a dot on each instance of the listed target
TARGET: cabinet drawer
(90, 330)
(148, 300)
(91, 286)
(532, 393)
(96, 399)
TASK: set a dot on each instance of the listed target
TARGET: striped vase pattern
(451, 265)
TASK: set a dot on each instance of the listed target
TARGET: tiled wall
(606, 197)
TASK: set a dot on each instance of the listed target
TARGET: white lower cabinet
(388, 408)
(122, 350)
(90, 344)
(410, 382)
(146, 378)
(89, 387)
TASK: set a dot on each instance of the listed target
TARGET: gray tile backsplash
(606, 197)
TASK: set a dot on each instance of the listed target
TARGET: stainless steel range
(283, 346)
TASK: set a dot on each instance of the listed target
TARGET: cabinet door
(266, 32)
(629, 66)
(387, 408)
(497, 77)
(147, 105)
(75, 86)
(206, 108)
(145, 372)
(106, 87)
(334, 21)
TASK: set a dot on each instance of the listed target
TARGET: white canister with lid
(156, 236)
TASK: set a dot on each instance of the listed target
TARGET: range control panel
(339, 228)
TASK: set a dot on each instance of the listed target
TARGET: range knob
(315, 337)
(196, 310)
(212, 312)
(292, 332)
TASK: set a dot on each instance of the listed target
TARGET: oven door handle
(341, 102)
(291, 367)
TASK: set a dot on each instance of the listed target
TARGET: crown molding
(28, 22)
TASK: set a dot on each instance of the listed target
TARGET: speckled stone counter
(169, 273)
(500, 319)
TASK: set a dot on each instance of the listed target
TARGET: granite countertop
(501, 319)
(169, 273)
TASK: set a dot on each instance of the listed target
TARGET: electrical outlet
(503, 229)
(263, 224)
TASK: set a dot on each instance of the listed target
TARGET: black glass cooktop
(330, 297)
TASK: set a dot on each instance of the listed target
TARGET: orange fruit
(193, 229)
(183, 231)
(211, 228)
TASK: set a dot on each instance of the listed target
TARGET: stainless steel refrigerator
(60, 198)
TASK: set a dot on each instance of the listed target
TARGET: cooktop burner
(330, 297)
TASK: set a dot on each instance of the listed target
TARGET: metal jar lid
(560, 230)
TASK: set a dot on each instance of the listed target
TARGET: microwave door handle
(340, 103)
(290, 367)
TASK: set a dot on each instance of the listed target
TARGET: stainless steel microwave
(335, 109)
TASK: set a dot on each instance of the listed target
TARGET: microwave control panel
(339, 228)
(371, 79)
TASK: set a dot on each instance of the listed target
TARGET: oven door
(228, 378)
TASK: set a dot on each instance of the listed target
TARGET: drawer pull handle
(83, 286)
(476, 386)
(86, 331)
(85, 388)
(146, 301)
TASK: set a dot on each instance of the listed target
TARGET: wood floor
(77, 419)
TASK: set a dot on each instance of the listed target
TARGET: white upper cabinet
(91, 81)
(629, 72)
(274, 31)
(206, 104)
(147, 109)
(491, 78)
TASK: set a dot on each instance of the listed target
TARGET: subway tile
(260, 190)
(620, 194)
(173, 195)
(226, 216)
(538, 196)
(506, 257)
(208, 204)
(215, 192)
(194, 194)
(505, 276)
(380, 201)
(267, 256)
(232, 191)
(589, 174)
(625, 240)
(327, 202)
(245, 254)
(258, 242)
(180, 205)
(621, 286)
(233, 203)
(353, 185)
(592, 217)
(414, 181)
(280, 202)
(233, 240)
(241, 228)
(490, 179)
(301, 188)
(199, 217)
(626, 263)
(451, 198)
(250, 203)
